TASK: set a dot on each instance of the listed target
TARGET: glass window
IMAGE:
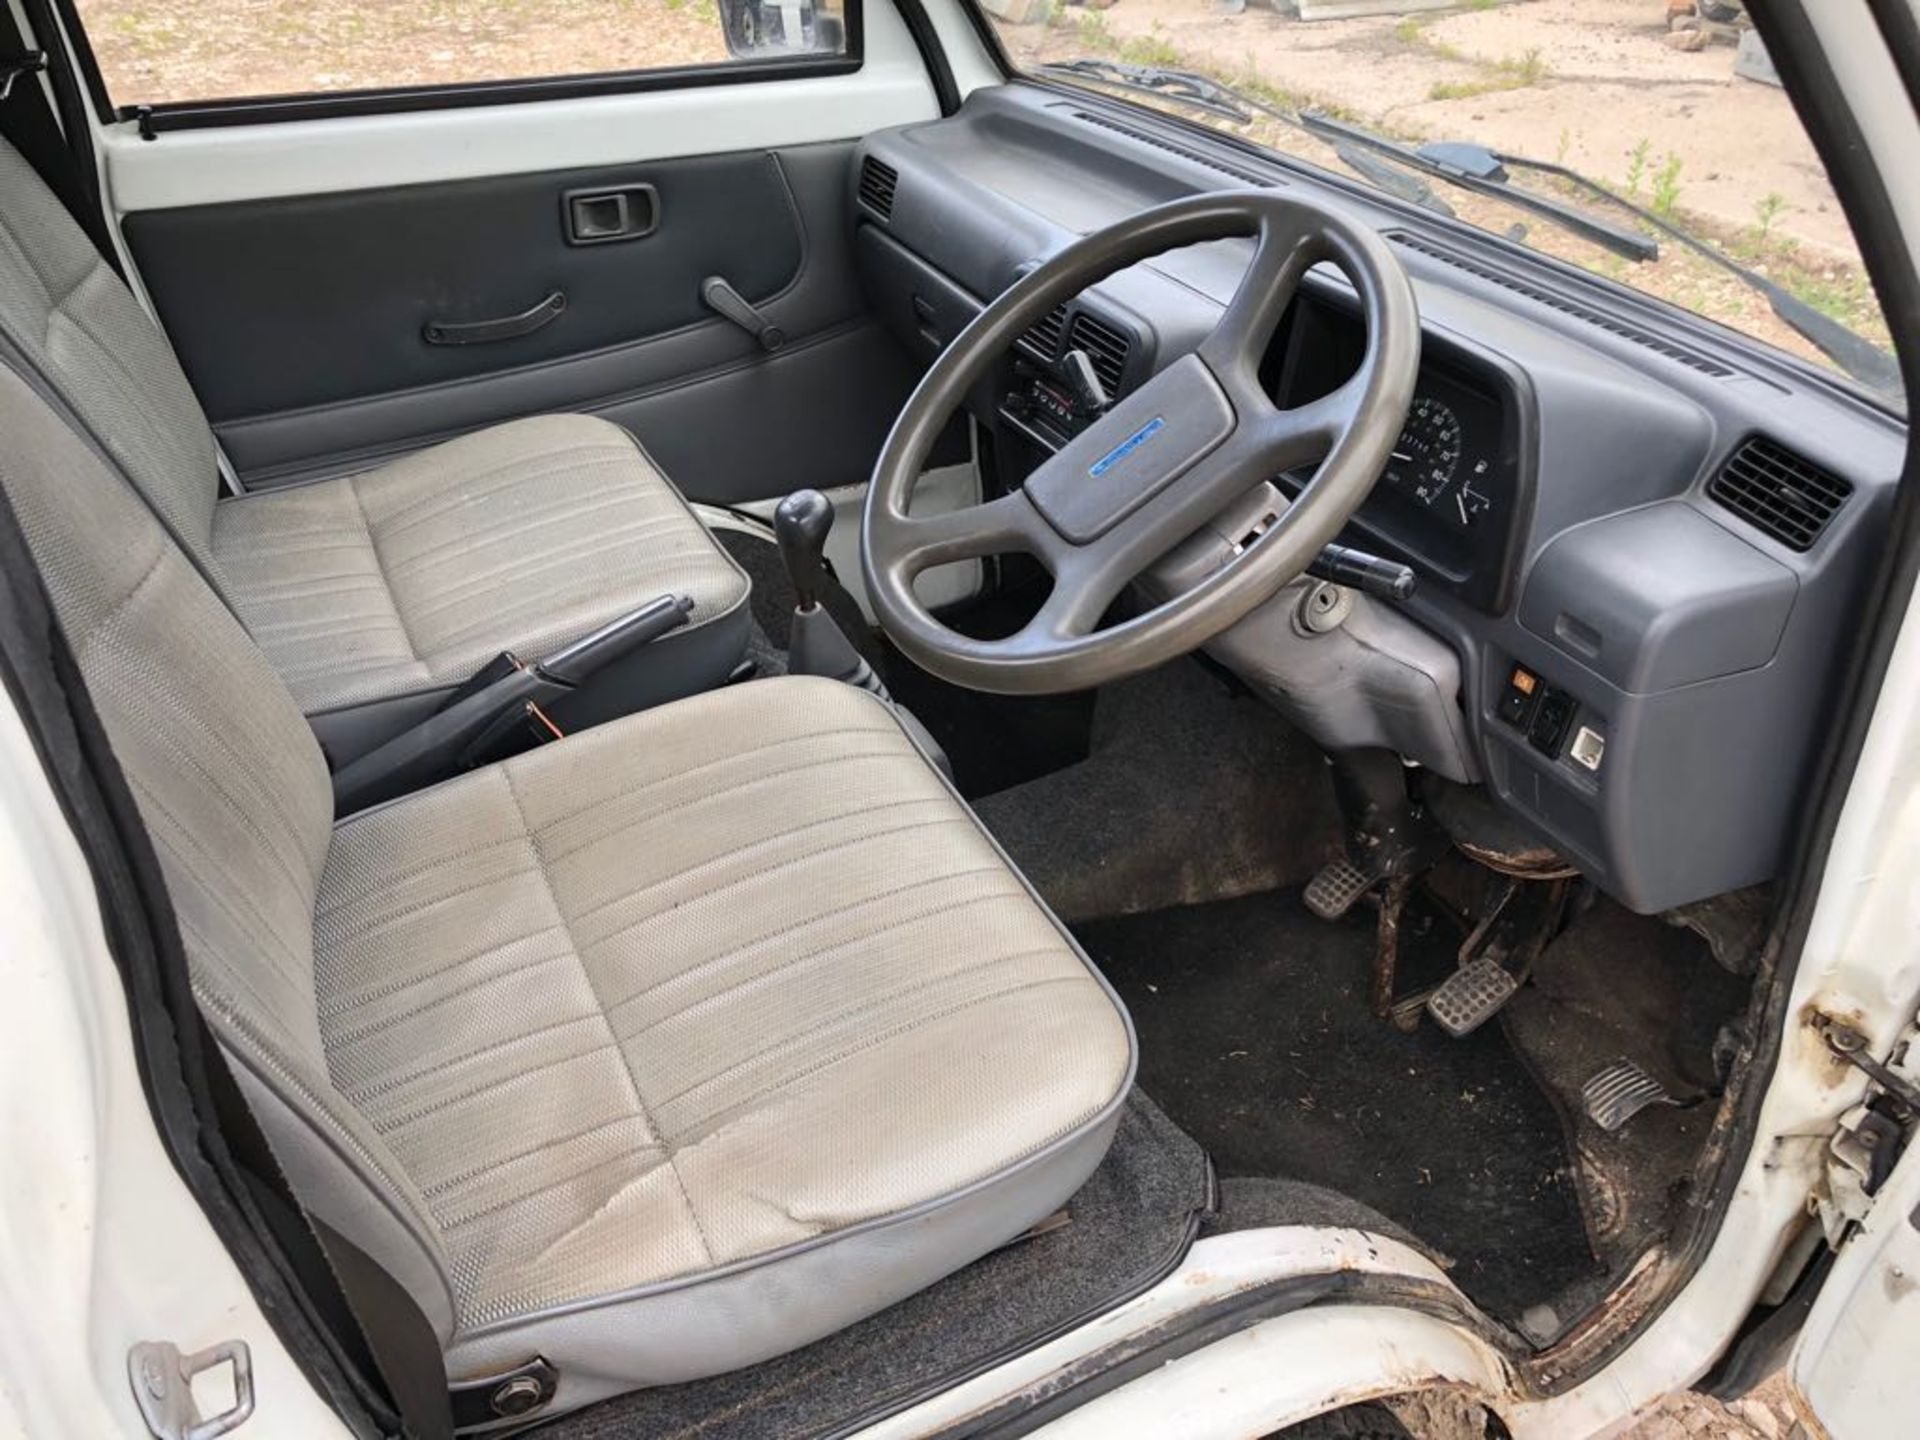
(165, 52)
(1672, 106)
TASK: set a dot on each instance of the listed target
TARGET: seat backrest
(235, 794)
(76, 322)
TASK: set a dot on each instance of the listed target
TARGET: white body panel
(1854, 1363)
(101, 1244)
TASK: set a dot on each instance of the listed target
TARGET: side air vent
(1106, 347)
(1043, 340)
(1784, 494)
(1245, 174)
(878, 181)
(1565, 306)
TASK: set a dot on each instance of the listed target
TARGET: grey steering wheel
(1157, 466)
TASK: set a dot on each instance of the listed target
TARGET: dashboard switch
(1516, 704)
(1588, 747)
(1551, 717)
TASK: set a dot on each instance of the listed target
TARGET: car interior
(760, 842)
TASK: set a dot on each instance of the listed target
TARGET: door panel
(301, 320)
(298, 266)
(276, 304)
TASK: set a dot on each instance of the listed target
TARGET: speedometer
(1426, 457)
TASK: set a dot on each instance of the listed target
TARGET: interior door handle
(507, 327)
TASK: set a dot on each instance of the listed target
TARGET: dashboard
(1450, 501)
(1640, 541)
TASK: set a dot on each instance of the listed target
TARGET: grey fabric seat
(398, 582)
(656, 1051)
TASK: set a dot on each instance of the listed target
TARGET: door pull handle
(507, 327)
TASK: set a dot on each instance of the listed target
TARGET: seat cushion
(652, 1013)
(412, 576)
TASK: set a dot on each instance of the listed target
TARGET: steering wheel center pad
(1168, 426)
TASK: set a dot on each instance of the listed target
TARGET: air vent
(1043, 340)
(878, 181)
(1242, 173)
(1775, 490)
(1106, 347)
(1565, 306)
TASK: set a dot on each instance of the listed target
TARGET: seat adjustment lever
(728, 303)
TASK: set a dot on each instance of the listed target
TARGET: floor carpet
(1256, 1037)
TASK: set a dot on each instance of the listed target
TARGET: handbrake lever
(476, 717)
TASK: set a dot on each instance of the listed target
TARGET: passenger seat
(375, 594)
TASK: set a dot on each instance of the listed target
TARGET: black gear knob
(801, 524)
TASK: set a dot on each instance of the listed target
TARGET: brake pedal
(1471, 996)
(1337, 888)
(1621, 1091)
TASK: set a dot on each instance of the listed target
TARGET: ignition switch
(1323, 607)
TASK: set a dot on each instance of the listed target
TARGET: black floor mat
(1193, 790)
(994, 741)
(1619, 986)
(1256, 1036)
(1131, 1224)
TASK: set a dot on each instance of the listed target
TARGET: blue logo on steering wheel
(1127, 446)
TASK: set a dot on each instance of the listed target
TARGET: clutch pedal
(1471, 996)
(1621, 1091)
(1337, 888)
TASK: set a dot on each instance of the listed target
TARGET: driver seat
(651, 1053)
(376, 592)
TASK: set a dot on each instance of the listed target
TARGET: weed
(1529, 69)
(1514, 72)
(1565, 145)
(1666, 186)
(1153, 49)
(1637, 165)
(1767, 211)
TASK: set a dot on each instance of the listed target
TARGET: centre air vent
(878, 181)
(1106, 345)
(1042, 341)
(1778, 492)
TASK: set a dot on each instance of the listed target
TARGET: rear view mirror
(771, 29)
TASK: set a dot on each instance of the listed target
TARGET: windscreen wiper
(1397, 168)
(1437, 160)
(1158, 81)
(1852, 352)
(1209, 96)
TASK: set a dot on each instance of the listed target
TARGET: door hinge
(163, 1387)
(1870, 1136)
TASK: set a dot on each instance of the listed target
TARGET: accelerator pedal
(1471, 996)
(1621, 1091)
(1337, 888)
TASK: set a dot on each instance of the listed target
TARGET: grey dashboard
(1636, 532)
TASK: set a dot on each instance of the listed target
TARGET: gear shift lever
(801, 525)
(818, 645)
